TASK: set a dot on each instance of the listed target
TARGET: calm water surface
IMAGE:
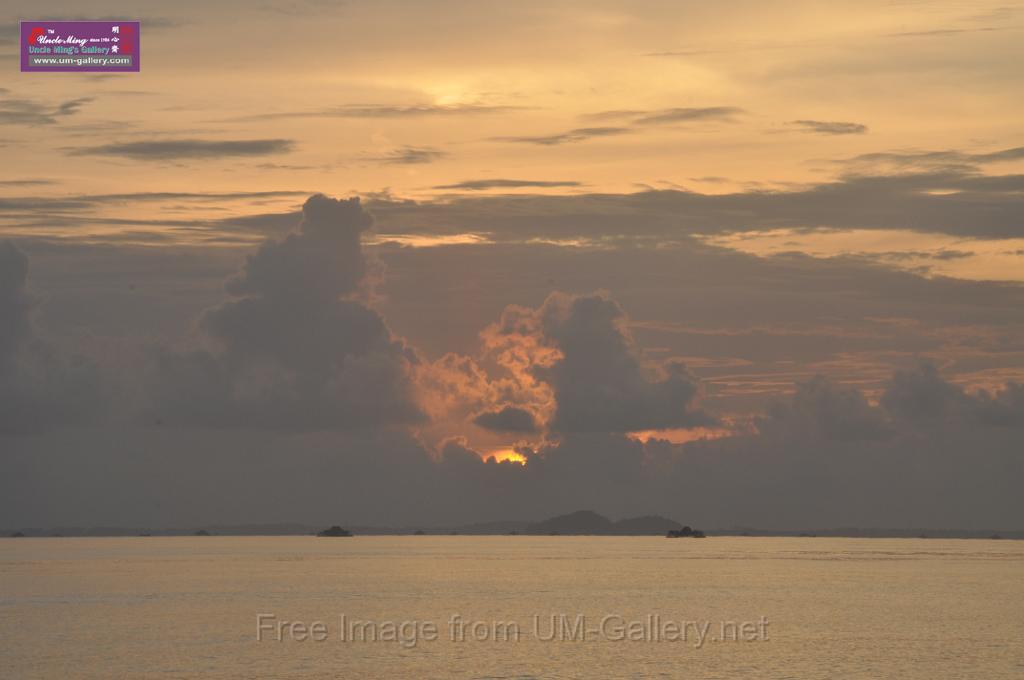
(835, 608)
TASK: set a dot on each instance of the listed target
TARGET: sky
(738, 263)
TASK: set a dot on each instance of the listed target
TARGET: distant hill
(581, 522)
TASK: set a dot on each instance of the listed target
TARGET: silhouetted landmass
(589, 523)
(651, 525)
(685, 532)
(201, 532)
(419, 532)
(335, 531)
(579, 523)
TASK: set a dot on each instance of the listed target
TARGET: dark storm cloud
(410, 155)
(508, 419)
(485, 184)
(568, 137)
(831, 127)
(30, 112)
(171, 149)
(297, 349)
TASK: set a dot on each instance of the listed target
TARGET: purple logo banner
(80, 46)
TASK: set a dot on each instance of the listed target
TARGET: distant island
(335, 531)
(685, 532)
(590, 523)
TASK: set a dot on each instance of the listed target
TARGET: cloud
(15, 304)
(684, 115)
(947, 202)
(942, 32)
(922, 397)
(571, 136)
(39, 388)
(938, 161)
(297, 350)
(581, 347)
(485, 184)
(637, 119)
(410, 155)
(508, 419)
(668, 116)
(31, 112)
(823, 127)
(171, 149)
(385, 111)
(269, 401)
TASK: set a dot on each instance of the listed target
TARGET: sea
(510, 607)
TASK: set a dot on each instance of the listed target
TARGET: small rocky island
(685, 532)
(335, 531)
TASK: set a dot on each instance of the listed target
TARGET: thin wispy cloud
(944, 159)
(377, 111)
(686, 115)
(15, 111)
(568, 137)
(830, 127)
(156, 150)
(941, 32)
(409, 155)
(668, 116)
(485, 184)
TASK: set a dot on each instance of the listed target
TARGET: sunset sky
(752, 263)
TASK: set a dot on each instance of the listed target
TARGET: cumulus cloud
(582, 348)
(297, 349)
(39, 387)
(171, 149)
(923, 398)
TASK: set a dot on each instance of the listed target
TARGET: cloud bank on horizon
(301, 400)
